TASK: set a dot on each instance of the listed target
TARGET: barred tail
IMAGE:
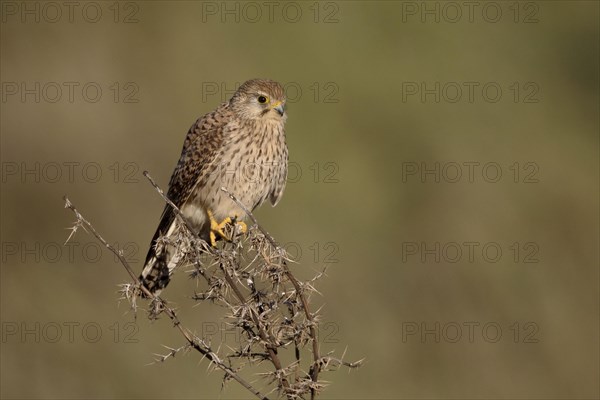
(162, 258)
(156, 274)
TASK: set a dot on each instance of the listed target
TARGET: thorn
(73, 229)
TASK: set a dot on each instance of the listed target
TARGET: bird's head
(260, 99)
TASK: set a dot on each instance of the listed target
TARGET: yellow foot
(217, 228)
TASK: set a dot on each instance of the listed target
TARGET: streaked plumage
(240, 146)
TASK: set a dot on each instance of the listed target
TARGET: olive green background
(352, 131)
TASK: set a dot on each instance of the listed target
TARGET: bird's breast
(249, 164)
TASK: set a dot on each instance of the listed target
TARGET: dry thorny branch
(270, 309)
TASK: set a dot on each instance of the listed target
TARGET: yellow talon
(243, 226)
(217, 228)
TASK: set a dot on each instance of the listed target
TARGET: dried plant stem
(272, 354)
(193, 340)
(261, 331)
(170, 203)
(262, 296)
(315, 368)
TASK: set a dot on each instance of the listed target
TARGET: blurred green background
(366, 119)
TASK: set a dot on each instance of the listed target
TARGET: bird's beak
(279, 107)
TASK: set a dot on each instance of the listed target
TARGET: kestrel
(240, 146)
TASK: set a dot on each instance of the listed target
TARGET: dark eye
(262, 99)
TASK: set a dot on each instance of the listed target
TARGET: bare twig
(273, 355)
(192, 339)
(267, 305)
(261, 331)
(315, 368)
(178, 212)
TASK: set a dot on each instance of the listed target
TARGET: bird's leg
(216, 228)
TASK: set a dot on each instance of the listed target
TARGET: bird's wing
(280, 179)
(199, 151)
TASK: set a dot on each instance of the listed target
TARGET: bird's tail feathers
(161, 261)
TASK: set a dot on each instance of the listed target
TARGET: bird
(240, 146)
